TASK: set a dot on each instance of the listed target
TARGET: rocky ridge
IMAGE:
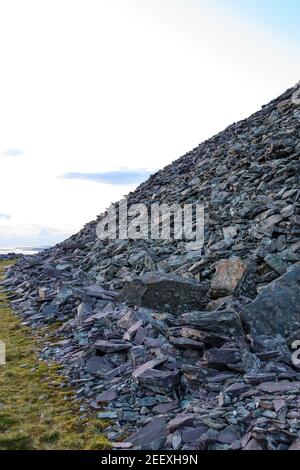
(188, 349)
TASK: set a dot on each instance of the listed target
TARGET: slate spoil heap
(188, 350)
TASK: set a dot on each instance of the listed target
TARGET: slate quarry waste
(188, 349)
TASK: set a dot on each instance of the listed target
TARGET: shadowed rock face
(276, 310)
(166, 292)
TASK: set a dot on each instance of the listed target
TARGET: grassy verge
(37, 411)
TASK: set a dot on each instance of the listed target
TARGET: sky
(95, 95)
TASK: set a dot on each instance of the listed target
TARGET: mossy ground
(37, 409)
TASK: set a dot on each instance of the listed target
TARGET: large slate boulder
(165, 292)
(276, 310)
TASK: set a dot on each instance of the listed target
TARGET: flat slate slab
(276, 309)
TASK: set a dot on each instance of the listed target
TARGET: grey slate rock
(111, 346)
(277, 308)
(165, 292)
(147, 436)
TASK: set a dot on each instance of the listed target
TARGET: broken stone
(229, 435)
(165, 292)
(107, 415)
(216, 304)
(186, 343)
(147, 366)
(180, 421)
(202, 336)
(160, 381)
(164, 408)
(279, 405)
(267, 225)
(108, 396)
(228, 276)
(99, 292)
(219, 358)
(132, 330)
(192, 434)
(257, 378)
(253, 444)
(111, 346)
(97, 366)
(288, 211)
(237, 389)
(147, 437)
(176, 440)
(84, 310)
(275, 387)
(230, 232)
(215, 322)
(276, 263)
(295, 445)
(49, 310)
(276, 309)
(43, 293)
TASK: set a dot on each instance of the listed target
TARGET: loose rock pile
(182, 349)
(9, 257)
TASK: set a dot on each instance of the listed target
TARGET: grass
(37, 409)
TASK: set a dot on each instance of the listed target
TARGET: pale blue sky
(89, 88)
(280, 17)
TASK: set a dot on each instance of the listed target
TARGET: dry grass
(37, 410)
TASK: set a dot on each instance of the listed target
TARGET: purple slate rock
(245, 439)
(180, 421)
(190, 435)
(163, 408)
(279, 405)
(148, 365)
(108, 395)
(237, 389)
(229, 435)
(186, 343)
(219, 358)
(274, 387)
(257, 378)
(97, 316)
(99, 292)
(119, 371)
(97, 366)
(128, 335)
(207, 439)
(107, 347)
(159, 380)
(146, 436)
(139, 336)
(84, 310)
(295, 445)
(152, 342)
(254, 445)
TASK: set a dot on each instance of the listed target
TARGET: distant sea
(24, 250)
